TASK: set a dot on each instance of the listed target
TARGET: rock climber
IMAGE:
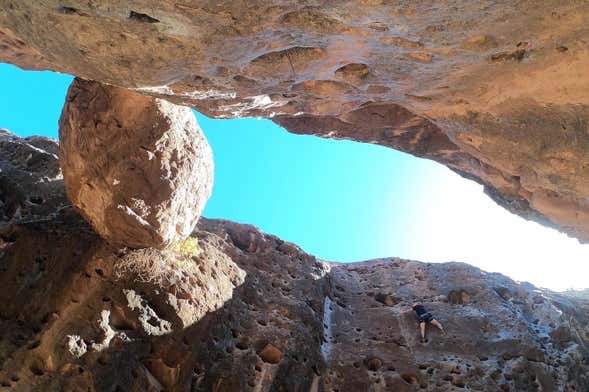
(424, 318)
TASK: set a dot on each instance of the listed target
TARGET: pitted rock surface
(250, 312)
(138, 168)
(494, 90)
(31, 184)
(270, 319)
(227, 320)
(501, 335)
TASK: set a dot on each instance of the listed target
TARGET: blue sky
(340, 200)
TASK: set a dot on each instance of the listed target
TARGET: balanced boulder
(138, 168)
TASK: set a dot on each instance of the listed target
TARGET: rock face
(494, 90)
(500, 335)
(138, 168)
(268, 319)
(31, 185)
(250, 312)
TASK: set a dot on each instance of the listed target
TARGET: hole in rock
(140, 17)
(120, 321)
(242, 344)
(386, 299)
(458, 297)
(103, 360)
(410, 378)
(36, 199)
(36, 369)
(373, 364)
(67, 10)
(270, 354)
(33, 345)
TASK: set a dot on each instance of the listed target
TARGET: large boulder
(137, 168)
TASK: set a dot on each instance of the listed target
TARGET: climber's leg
(437, 324)
(422, 328)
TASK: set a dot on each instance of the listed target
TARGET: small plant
(188, 248)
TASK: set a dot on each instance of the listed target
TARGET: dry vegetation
(164, 268)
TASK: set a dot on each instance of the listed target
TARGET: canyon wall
(495, 90)
(247, 311)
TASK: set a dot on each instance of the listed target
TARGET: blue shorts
(425, 318)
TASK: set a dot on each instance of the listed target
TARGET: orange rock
(270, 354)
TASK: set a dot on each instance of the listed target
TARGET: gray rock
(253, 313)
(31, 184)
(92, 316)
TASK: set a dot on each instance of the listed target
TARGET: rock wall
(247, 311)
(501, 335)
(31, 183)
(78, 314)
(495, 90)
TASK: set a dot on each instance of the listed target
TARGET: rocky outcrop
(31, 184)
(262, 315)
(77, 313)
(138, 168)
(494, 90)
(247, 311)
(501, 335)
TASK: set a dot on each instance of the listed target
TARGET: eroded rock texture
(253, 313)
(250, 312)
(495, 90)
(500, 335)
(80, 314)
(138, 168)
(31, 184)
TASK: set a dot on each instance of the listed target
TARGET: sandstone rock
(31, 184)
(83, 320)
(149, 342)
(494, 93)
(486, 336)
(271, 354)
(137, 168)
